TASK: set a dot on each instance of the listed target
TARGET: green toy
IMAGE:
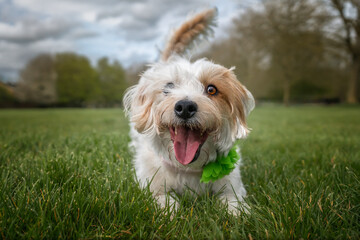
(221, 167)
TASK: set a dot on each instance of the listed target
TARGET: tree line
(68, 79)
(284, 50)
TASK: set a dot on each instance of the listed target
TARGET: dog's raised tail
(189, 32)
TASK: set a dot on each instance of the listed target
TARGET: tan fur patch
(231, 93)
(142, 121)
(142, 107)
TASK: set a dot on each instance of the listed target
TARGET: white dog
(185, 115)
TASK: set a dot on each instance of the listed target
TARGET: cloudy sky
(128, 30)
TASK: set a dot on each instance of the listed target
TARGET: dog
(185, 115)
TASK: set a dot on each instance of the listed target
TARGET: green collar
(221, 167)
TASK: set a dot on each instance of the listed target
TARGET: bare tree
(351, 40)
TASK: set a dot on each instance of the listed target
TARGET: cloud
(143, 20)
(81, 33)
(127, 30)
(31, 30)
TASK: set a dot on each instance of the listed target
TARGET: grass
(68, 174)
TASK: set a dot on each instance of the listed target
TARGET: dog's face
(190, 111)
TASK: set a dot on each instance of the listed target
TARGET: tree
(77, 80)
(351, 40)
(112, 81)
(37, 82)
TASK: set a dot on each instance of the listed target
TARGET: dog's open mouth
(187, 143)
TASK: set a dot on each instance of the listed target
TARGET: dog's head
(189, 111)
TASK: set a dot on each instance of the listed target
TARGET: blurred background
(64, 53)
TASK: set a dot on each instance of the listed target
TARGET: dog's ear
(138, 106)
(242, 103)
(248, 104)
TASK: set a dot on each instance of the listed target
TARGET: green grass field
(68, 174)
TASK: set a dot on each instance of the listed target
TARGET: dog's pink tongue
(186, 143)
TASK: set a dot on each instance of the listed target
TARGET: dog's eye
(211, 89)
(169, 85)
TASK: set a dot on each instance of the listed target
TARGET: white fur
(154, 159)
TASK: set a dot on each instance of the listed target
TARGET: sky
(130, 31)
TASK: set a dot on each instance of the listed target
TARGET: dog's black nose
(185, 109)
